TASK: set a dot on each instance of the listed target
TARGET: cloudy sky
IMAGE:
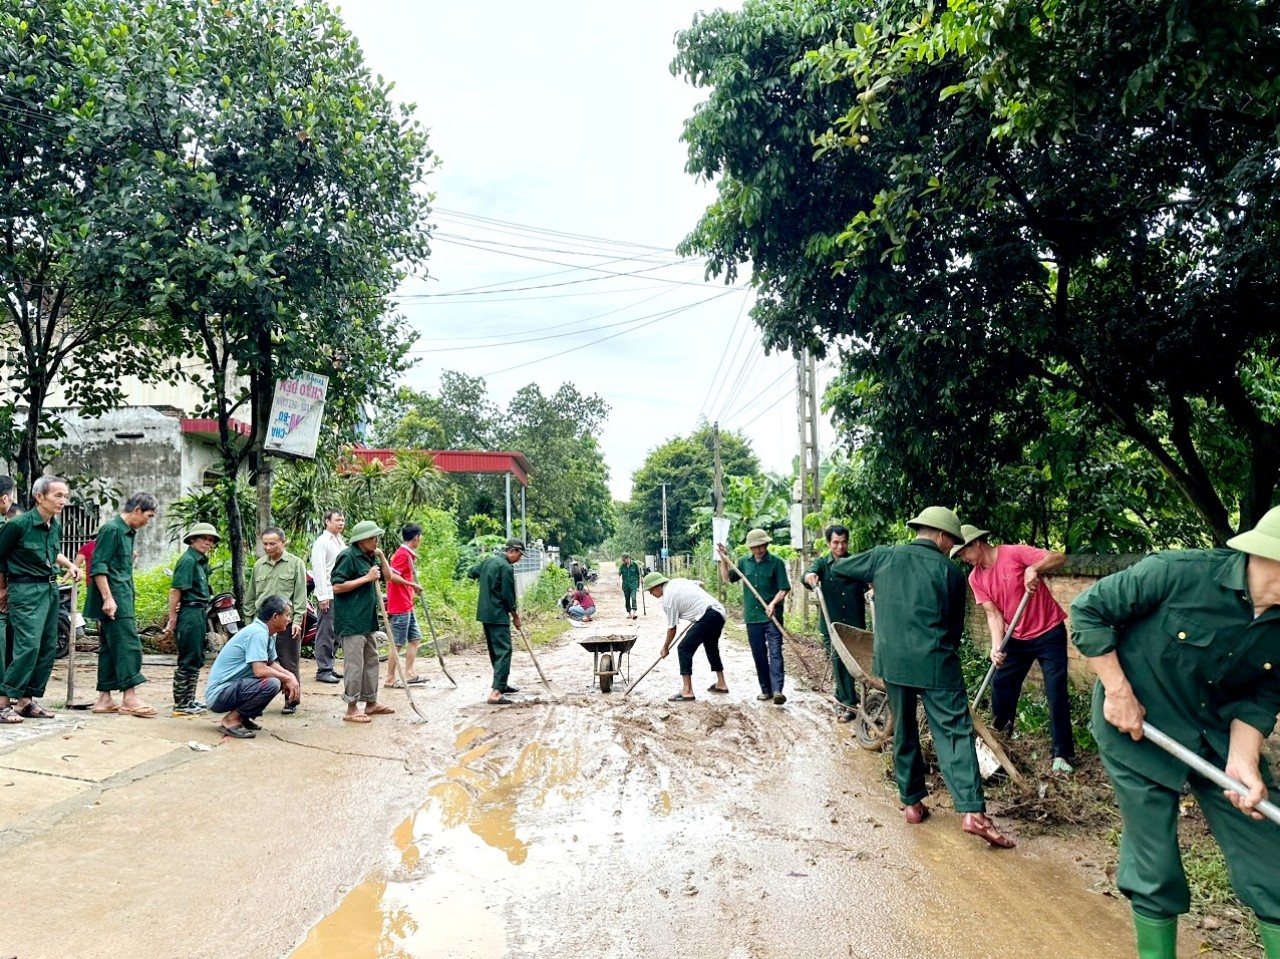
(559, 204)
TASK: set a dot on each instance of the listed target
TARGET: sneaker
(1060, 765)
(188, 709)
(779, 699)
(327, 677)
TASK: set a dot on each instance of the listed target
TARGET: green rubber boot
(1157, 938)
(1270, 939)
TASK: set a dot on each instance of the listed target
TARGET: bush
(544, 596)
(151, 594)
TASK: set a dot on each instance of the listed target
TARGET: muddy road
(589, 825)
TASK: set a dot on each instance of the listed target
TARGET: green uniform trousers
(33, 624)
(190, 637)
(846, 686)
(952, 729)
(119, 655)
(629, 598)
(6, 641)
(497, 637)
(1150, 871)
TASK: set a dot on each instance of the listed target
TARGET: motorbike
(67, 616)
(223, 620)
(310, 622)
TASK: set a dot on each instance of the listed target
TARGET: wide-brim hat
(1263, 540)
(365, 529)
(653, 579)
(970, 535)
(758, 537)
(202, 529)
(938, 517)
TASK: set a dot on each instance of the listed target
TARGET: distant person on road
(846, 601)
(189, 596)
(356, 575)
(1001, 577)
(685, 599)
(1189, 640)
(401, 591)
(247, 674)
(280, 573)
(629, 577)
(497, 611)
(110, 600)
(29, 558)
(920, 605)
(581, 605)
(768, 574)
(324, 553)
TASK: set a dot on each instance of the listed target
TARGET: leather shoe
(328, 677)
(976, 824)
(916, 813)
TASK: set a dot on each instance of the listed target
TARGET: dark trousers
(952, 729)
(119, 655)
(289, 654)
(326, 642)
(32, 640)
(248, 697)
(629, 598)
(765, 640)
(190, 639)
(1050, 651)
(846, 686)
(706, 633)
(497, 636)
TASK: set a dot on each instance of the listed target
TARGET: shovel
(391, 639)
(547, 684)
(675, 642)
(435, 640)
(1008, 635)
(1207, 769)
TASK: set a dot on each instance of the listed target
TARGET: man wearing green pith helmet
(1189, 641)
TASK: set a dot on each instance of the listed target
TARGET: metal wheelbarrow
(610, 656)
(873, 725)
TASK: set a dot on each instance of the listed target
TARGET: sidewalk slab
(22, 793)
(90, 755)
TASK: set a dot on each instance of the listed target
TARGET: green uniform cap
(654, 579)
(202, 529)
(938, 517)
(1263, 540)
(758, 537)
(366, 529)
(970, 535)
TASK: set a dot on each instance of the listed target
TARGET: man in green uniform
(189, 596)
(846, 601)
(920, 598)
(497, 611)
(629, 573)
(355, 577)
(280, 573)
(768, 574)
(8, 490)
(110, 601)
(1190, 641)
(29, 593)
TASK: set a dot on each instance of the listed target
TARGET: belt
(200, 605)
(33, 579)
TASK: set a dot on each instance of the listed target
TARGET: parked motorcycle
(223, 621)
(67, 616)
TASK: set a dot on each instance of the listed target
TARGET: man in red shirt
(1001, 576)
(401, 590)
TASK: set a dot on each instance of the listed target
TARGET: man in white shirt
(685, 599)
(323, 555)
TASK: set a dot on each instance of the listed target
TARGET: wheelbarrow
(610, 656)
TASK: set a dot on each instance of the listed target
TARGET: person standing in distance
(324, 553)
(497, 610)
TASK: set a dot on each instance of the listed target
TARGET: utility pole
(666, 555)
(809, 492)
(719, 495)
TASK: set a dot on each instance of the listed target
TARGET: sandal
(377, 709)
(34, 710)
(500, 701)
(713, 688)
(356, 718)
(976, 824)
(142, 712)
(8, 717)
(396, 685)
(681, 698)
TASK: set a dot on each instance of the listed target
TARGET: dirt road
(591, 825)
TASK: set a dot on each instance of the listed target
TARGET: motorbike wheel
(64, 635)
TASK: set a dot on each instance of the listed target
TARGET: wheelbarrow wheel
(874, 725)
(606, 672)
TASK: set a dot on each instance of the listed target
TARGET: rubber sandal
(417, 680)
(396, 685)
(250, 724)
(356, 718)
(35, 711)
(8, 717)
(977, 825)
(113, 708)
(141, 712)
(378, 710)
(237, 732)
(681, 698)
(500, 701)
(713, 688)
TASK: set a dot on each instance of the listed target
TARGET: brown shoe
(977, 824)
(916, 813)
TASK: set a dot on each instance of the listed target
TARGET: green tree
(686, 465)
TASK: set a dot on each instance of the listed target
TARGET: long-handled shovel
(547, 684)
(1207, 769)
(1008, 635)
(675, 642)
(818, 683)
(391, 638)
(435, 640)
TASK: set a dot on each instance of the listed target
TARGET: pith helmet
(654, 579)
(970, 535)
(366, 529)
(201, 529)
(938, 517)
(758, 537)
(1263, 540)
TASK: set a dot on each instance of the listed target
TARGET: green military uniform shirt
(630, 573)
(769, 577)
(191, 577)
(112, 558)
(355, 612)
(1183, 627)
(286, 577)
(29, 546)
(497, 591)
(920, 597)
(846, 598)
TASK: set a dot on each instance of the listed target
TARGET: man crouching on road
(685, 599)
(246, 676)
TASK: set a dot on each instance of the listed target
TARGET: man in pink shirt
(401, 590)
(1001, 576)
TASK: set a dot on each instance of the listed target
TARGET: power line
(536, 229)
(771, 406)
(742, 335)
(755, 399)
(745, 372)
(540, 329)
(438, 235)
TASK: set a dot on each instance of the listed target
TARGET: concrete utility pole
(809, 494)
(719, 495)
(666, 554)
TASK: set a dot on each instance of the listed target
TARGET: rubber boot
(1157, 938)
(1270, 933)
(179, 687)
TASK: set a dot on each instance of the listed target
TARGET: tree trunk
(262, 387)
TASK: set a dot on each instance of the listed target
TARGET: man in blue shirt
(247, 674)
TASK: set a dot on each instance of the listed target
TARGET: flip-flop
(713, 688)
(35, 711)
(396, 685)
(500, 701)
(238, 731)
(378, 710)
(113, 708)
(356, 718)
(417, 680)
(141, 712)
(681, 698)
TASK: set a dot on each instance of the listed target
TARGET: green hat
(970, 534)
(201, 529)
(653, 579)
(938, 517)
(1263, 540)
(366, 529)
(513, 544)
(758, 537)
